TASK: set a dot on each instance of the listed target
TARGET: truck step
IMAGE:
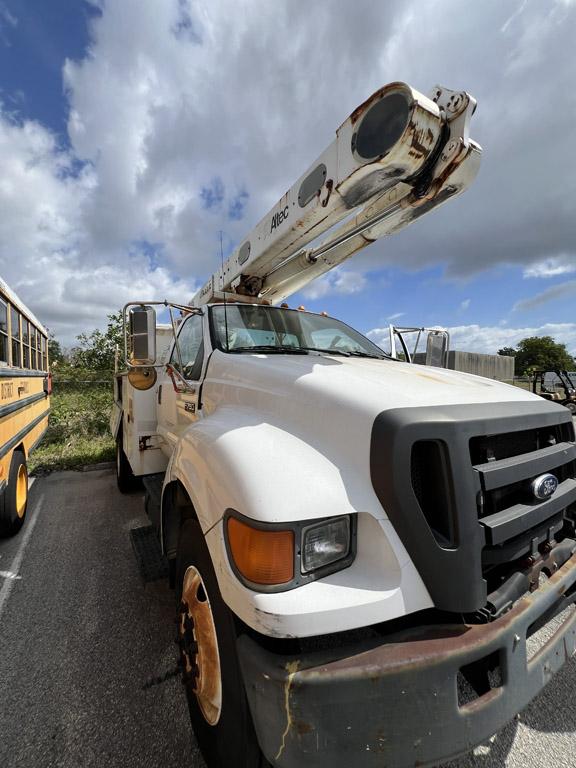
(151, 562)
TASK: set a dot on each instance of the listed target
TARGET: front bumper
(394, 702)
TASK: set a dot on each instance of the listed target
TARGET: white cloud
(489, 339)
(338, 281)
(395, 316)
(552, 266)
(7, 18)
(561, 291)
(82, 298)
(174, 98)
(513, 17)
(177, 130)
(47, 254)
(465, 304)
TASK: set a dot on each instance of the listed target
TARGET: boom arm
(398, 156)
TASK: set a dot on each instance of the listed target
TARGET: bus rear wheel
(15, 502)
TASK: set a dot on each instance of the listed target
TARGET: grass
(78, 432)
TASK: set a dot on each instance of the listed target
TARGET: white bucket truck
(364, 551)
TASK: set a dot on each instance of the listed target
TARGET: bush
(78, 429)
(78, 411)
(78, 432)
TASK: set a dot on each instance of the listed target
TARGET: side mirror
(141, 335)
(437, 349)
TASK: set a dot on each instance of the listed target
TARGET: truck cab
(371, 507)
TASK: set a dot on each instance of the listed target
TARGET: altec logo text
(278, 218)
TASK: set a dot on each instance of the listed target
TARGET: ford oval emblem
(544, 486)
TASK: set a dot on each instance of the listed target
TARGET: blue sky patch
(33, 47)
(213, 194)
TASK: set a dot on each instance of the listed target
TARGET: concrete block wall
(491, 366)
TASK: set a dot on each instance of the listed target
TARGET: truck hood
(318, 380)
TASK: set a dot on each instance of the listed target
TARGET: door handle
(160, 395)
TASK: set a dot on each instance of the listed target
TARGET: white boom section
(398, 156)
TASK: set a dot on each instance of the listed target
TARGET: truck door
(178, 409)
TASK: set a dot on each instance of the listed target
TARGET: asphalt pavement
(84, 639)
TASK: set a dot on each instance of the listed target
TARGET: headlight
(276, 557)
(325, 543)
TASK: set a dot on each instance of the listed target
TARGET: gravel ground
(82, 637)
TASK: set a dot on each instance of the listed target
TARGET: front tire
(15, 503)
(571, 407)
(207, 633)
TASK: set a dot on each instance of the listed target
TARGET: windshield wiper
(358, 353)
(279, 349)
(344, 352)
(271, 348)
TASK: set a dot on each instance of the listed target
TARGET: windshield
(253, 328)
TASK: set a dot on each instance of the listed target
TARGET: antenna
(225, 312)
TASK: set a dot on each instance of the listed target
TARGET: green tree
(96, 350)
(507, 352)
(55, 354)
(540, 353)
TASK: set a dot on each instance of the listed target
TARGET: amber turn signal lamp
(262, 557)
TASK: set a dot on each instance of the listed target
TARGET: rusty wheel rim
(199, 646)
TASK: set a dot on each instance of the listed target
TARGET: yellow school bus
(24, 403)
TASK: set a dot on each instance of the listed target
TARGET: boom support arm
(398, 156)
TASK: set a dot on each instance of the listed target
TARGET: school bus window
(3, 332)
(44, 355)
(29, 346)
(33, 347)
(25, 346)
(38, 350)
(15, 332)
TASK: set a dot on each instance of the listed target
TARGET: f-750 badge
(190, 407)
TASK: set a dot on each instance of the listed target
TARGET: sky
(132, 132)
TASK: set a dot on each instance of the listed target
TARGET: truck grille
(506, 504)
(455, 482)
(486, 448)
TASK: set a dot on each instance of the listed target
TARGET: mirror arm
(398, 333)
(417, 342)
(176, 342)
(175, 373)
